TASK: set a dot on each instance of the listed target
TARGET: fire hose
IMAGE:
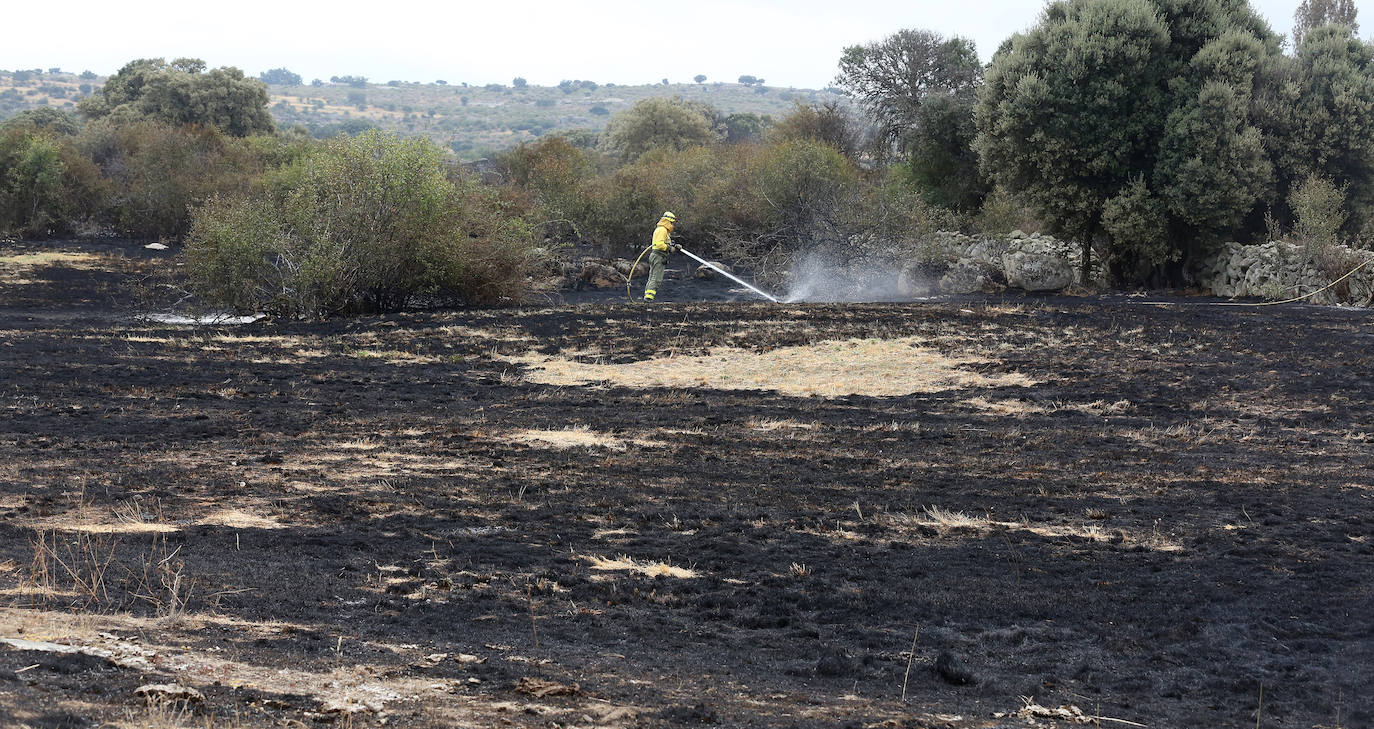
(703, 262)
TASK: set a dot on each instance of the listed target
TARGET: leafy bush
(556, 173)
(366, 224)
(806, 181)
(1003, 212)
(182, 92)
(763, 196)
(1318, 211)
(158, 172)
(652, 123)
(828, 122)
(46, 186)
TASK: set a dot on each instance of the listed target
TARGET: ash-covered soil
(1095, 511)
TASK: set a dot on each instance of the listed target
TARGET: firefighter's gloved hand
(674, 249)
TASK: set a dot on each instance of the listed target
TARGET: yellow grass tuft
(627, 564)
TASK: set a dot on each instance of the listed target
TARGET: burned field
(732, 514)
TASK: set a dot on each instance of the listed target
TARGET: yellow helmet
(670, 216)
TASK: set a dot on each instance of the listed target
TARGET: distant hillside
(20, 90)
(473, 121)
(476, 120)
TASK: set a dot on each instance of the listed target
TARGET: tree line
(1153, 130)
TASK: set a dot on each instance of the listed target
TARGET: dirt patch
(691, 514)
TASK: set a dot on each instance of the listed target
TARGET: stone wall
(1278, 270)
(955, 263)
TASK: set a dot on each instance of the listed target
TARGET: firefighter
(658, 255)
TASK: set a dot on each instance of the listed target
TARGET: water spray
(709, 265)
(729, 275)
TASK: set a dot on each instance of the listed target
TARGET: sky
(793, 43)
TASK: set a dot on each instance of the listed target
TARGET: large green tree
(1320, 118)
(920, 88)
(827, 122)
(183, 92)
(651, 123)
(280, 77)
(1134, 124)
(1313, 14)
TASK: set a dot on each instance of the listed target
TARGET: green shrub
(365, 224)
(47, 187)
(827, 122)
(764, 194)
(158, 172)
(1002, 212)
(657, 122)
(556, 173)
(806, 182)
(1318, 206)
(625, 205)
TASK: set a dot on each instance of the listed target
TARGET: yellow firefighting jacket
(663, 234)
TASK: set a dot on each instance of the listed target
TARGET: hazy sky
(794, 43)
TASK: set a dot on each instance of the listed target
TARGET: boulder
(966, 277)
(1037, 267)
(625, 266)
(600, 276)
(988, 251)
(704, 271)
(919, 279)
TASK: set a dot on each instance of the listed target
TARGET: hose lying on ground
(631, 275)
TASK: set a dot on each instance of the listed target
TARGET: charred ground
(596, 515)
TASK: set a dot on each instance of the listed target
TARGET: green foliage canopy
(1320, 117)
(1313, 14)
(920, 88)
(280, 77)
(183, 92)
(894, 77)
(658, 122)
(359, 224)
(827, 122)
(1134, 123)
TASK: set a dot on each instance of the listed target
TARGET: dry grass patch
(52, 258)
(354, 692)
(1020, 408)
(628, 564)
(945, 521)
(768, 425)
(577, 436)
(1014, 408)
(280, 340)
(1102, 407)
(14, 269)
(872, 367)
(238, 519)
(92, 520)
(395, 356)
